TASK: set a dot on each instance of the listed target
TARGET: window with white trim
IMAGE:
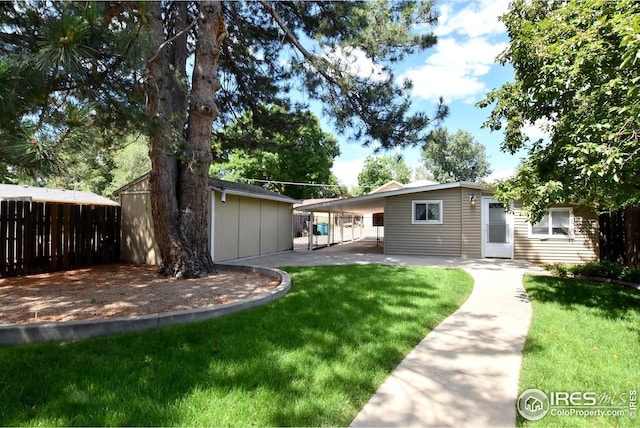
(557, 223)
(426, 212)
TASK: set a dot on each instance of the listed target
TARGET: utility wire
(293, 183)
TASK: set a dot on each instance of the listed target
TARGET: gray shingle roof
(248, 190)
(45, 194)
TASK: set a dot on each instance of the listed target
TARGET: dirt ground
(118, 290)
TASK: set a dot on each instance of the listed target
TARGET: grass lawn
(312, 358)
(584, 337)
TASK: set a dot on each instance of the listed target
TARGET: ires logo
(534, 404)
(573, 399)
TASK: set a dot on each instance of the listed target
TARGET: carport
(356, 223)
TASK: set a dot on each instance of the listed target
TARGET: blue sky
(462, 69)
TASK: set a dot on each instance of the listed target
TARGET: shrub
(560, 269)
(631, 275)
(601, 269)
(598, 269)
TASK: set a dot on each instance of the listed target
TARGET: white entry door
(497, 229)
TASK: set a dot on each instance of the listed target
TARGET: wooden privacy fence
(620, 236)
(43, 237)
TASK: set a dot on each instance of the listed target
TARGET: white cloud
(356, 62)
(470, 39)
(474, 19)
(539, 129)
(500, 175)
(456, 70)
(347, 171)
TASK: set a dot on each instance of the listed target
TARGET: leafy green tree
(378, 170)
(454, 157)
(296, 151)
(577, 72)
(130, 162)
(92, 65)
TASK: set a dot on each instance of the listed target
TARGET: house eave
(234, 192)
(343, 205)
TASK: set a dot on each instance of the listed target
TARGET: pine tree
(196, 64)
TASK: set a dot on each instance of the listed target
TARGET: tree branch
(166, 42)
(294, 40)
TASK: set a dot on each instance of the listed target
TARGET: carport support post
(310, 231)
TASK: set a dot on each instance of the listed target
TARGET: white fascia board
(257, 195)
(406, 191)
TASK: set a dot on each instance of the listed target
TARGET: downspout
(212, 218)
(462, 222)
(310, 234)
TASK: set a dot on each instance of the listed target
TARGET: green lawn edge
(312, 358)
(584, 338)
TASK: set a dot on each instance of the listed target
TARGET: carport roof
(374, 202)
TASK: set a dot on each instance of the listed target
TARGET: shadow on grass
(609, 301)
(583, 337)
(313, 357)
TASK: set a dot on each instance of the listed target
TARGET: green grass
(312, 358)
(584, 337)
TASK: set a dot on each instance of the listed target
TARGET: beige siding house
(244, 221)
(463, 220)
(577, 244)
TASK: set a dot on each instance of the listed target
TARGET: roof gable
(229, 187)
(388, 186)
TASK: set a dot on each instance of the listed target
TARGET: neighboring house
(396, 185)
(247, 221)
(463, 220)
(377, 219)
(12, 192)
(388, 186)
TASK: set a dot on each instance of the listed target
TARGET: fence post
(11, 238)
(3, 237)
(19, 228)
(55, 237)
(29, 239)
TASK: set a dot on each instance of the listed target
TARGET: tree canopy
(378, 170)
(577, 73)
(68, 73)
(454, 157)
(74, 74)
(298, 150)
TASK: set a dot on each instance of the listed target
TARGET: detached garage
(244, 221)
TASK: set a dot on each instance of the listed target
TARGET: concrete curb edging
(14, 334)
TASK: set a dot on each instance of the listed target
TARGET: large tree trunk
(180, 144)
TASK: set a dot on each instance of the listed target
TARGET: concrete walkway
(465, 372)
